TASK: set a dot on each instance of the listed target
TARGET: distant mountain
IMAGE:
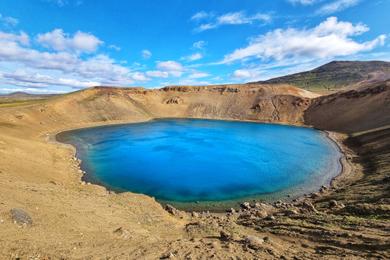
(22, 96)
(336, 74)
(17, 94)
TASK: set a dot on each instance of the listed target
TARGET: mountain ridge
(335, 75)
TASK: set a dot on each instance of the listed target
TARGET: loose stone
(21, 217)
(245, 205)
(254, 242)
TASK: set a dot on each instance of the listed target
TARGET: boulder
(225, 236)
(173, 100)
(254, 242)
(309, 206)
(270, 218)
(245, 205)
(333, 204)
(195, 214)
(231, 210)
(291, 212)
(261, 213)
(171, 209)
(21, 217)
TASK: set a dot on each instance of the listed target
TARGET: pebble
(168, 255)
(21, 217)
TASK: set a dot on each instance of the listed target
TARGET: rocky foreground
(47, 212)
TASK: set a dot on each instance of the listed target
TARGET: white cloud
(31, 79)
(198, 75)
(79, 42)
(193, 57)
(330, 38)
(146, 54)
(234, 18)
(8, 20)
(189, 82)
(172, 67)
(21, 38)
(336, 6)
(205, 27)
(303, 2)
(245, 74)
(199, 45)
(157, 74)
(59, 2)
(201, 15)
(62, 3)
(241, 18)
(114, 47)
(139, 76)
(59, 68)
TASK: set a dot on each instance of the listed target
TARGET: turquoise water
(187, 160)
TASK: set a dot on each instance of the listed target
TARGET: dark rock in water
(21, 217)
(254, 242)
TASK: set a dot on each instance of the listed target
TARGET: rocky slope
(362, 108)
(46, 212)
(336, 75)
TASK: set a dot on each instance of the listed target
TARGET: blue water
(186, 160)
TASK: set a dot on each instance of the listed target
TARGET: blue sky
(49, 46)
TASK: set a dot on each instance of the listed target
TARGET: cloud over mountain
(331, 38)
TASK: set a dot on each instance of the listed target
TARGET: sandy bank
(72, 220)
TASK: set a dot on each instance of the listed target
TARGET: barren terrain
(47, 212)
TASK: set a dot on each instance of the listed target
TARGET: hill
(336, 74)
(77, 220)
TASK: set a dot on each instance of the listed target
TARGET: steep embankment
(100, 105)
(363, 108)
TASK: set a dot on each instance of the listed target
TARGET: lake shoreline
(288, 195)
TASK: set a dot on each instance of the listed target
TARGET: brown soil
(76, 220)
